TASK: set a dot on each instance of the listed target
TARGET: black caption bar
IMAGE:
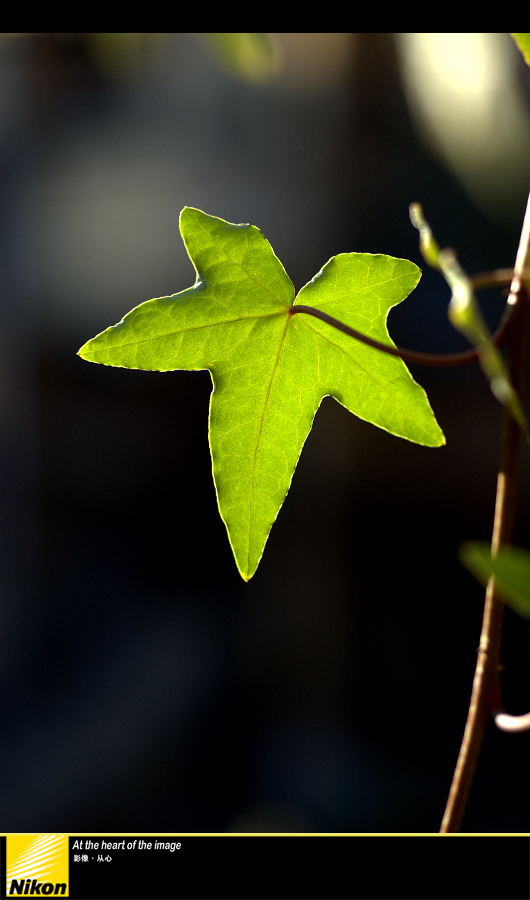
(266, 867)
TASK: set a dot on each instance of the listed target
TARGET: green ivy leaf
(271, 369)
(510, 566)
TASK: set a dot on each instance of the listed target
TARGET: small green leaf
(271, 369)
(511, 568)
(522, 39)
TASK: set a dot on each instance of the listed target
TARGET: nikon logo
(37, 865)
(31, 887)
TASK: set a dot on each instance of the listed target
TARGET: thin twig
(486, 694)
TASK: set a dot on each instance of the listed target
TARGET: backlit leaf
(271, 369)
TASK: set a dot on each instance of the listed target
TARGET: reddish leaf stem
(487, 279)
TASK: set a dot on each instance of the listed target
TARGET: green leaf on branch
(271, 368)
(510, 566)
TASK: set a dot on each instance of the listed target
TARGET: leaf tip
(522, 40)
(86, 352)
(246, 574)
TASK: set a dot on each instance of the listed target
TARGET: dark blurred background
(143, 685)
